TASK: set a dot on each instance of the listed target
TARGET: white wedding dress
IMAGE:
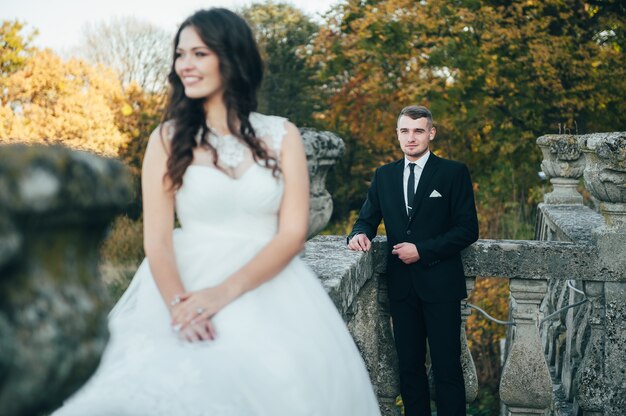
(281, 349)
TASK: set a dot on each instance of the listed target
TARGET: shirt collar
(421, 162)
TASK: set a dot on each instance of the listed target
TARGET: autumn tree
(141, 55)
(283, 33)
(496, 75)
(51, 101)
(138, 51)
(15, 47)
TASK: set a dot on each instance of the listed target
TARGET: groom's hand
(360, 242)
(407, 252)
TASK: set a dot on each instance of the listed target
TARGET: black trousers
(415, 321)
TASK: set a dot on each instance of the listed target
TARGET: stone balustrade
(585, 346)
(356, 283)
(573, 364)
(51, 223)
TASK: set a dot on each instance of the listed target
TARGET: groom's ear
(432, 133)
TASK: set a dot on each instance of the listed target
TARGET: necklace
(229, 148)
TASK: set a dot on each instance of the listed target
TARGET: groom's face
(414, 136)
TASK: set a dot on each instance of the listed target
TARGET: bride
(223, 318)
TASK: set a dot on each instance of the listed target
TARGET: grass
(121, 252)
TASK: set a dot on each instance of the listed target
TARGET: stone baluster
(589, 394)
(525, 385)
(605, 178)
(563, 164)
(469, 369)
(55, 205)
(323, 149)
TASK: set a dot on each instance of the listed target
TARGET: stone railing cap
(41, 179)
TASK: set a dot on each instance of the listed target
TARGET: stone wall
(55, 205)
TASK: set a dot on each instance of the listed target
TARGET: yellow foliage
(483, 335)
(127, 110)
(52, 101)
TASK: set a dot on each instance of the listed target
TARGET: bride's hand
(199, 330)
(198, 306)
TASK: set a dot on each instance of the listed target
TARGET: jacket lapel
(429, 171)
(397, 188)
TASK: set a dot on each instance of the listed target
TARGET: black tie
(410, 188)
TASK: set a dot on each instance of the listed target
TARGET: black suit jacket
(440, 227)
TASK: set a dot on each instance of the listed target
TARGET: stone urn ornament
(323, 149)
(564, 164)
(605, 173)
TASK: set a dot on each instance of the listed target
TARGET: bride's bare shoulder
(159, 144)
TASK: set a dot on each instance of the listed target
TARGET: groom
(427, 204)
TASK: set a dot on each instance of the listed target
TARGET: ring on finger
(199, 311)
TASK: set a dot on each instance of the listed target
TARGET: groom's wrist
(351, 236)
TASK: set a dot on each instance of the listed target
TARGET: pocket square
(435, 194)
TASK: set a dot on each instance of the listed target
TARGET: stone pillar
(55, 205)
(589, 394)
(469, 369)
(563, 164)
(323, 149)
(525, 385)
(605, 178)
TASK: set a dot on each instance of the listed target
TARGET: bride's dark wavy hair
(230, 38)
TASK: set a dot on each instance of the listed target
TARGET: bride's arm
(158, 217)
(288, 242)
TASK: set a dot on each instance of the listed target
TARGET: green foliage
(486, 404)
(341, 227)
(283, 32)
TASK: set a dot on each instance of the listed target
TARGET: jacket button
(408, 232)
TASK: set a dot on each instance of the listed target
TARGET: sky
(60, 22)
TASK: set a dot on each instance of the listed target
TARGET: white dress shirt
(417, 171)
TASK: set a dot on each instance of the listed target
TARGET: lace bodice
(212, 200)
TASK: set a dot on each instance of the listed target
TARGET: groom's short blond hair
(415, 112)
